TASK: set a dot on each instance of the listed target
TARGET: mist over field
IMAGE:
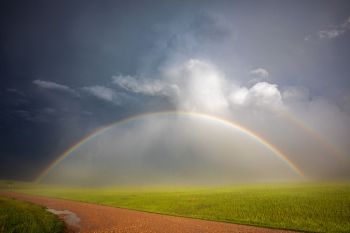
(171, 149)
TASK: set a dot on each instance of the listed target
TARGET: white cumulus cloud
(262, 95)
(199, 86)
(104, 93)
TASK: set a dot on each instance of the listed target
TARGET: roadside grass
(21, 217)
(317, 207)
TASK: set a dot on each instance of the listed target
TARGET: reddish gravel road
(103, 219)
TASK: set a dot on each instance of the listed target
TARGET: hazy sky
(279, 68)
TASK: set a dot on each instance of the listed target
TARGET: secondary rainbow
(223, 121)
(333, 151)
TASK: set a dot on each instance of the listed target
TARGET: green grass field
(21, 217)
(305, 207)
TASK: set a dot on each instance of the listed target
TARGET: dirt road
(103, 219)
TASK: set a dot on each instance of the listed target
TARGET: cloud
(346, 104)
(53, 86)
(103, 93)
(198, 85)
(262, 95)
(296, 94)
(22, 113)
(330, 34)
(335, 31)
(191, 85)
(146, 87)
(201, 86)
(49, 111)
(15, 91)
(260, 72)
(43, 115)
(18, 97)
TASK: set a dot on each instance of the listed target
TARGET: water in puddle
(71, 219)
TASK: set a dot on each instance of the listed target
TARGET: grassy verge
(305, 207)
(17, 217)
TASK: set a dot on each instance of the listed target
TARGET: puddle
(71, 219)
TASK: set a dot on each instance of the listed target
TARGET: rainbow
(219, 120)
(333, 151)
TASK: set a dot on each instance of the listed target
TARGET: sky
(277, 68)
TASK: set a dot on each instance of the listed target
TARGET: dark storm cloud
(69, 67)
